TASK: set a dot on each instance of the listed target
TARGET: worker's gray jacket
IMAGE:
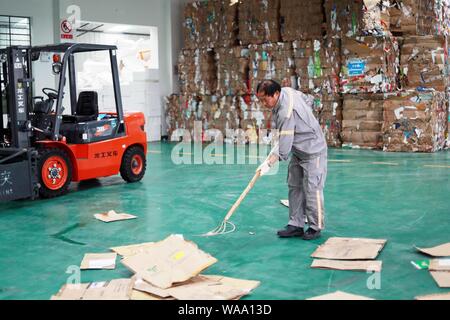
(300, 132)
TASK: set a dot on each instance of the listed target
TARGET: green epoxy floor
(407, 203)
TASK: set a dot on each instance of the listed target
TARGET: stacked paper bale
(197, 72)
(412, 17)
(348, 18)
(232, 70)
(301, 20)
(259, 21)
(256, 121)
(362, 121)
(272, 61)
(415, 122)
(369, 64)
(220, 113)
(328, 110)
(424, 63)
(209, 24)
(181, 114)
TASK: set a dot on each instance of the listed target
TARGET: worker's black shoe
(311, 234)
(290, 232)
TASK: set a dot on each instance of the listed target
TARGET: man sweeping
(300, 135)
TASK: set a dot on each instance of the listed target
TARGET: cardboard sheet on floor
(168, 262)
(439, 251)
(131, 250)
(119, 289)
(349, 249)
(339, 295)
(373, 266)
(442, 278)
(112, 216)
(99, 261)
(438, 296)
(440, 265)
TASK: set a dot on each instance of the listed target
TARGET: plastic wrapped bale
(259, 21)
(362, 121)
(232, 71)
(317, 63)
(301, 19)
(417, 17)
(349, 18)
(197, 72)
(369, 65)
(272, 61)
(424, 63)
(415, 122)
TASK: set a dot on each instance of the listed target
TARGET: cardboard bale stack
(197, 72)
(259, 21)
(415, 122)
(181, 114)
(220, 113)
(272, 61)
(256, 121)
(210, 24)
(232, 71)
(349, 18)
(328, 110)
(317, 64)
(362, 121)
(424, 62)
(369, 64)
(301, 20)
(413, 17)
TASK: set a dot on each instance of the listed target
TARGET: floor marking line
(385, 163)
(437, 166)
(340, 161)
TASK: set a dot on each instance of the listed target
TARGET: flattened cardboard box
(440, 265)
(131, 250)
(339, 295)
(438, 296)
(349, 249)
(120, 289)
(93, 261)
(442, 278)
(438, 251)
(372, 266)
(171, 261)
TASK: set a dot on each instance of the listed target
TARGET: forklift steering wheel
(50, 93)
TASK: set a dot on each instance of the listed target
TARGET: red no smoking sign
(66, 30)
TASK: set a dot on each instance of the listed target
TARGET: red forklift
(44, 145)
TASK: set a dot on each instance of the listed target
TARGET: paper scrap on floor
(170, 261)
(442, 278)
(368, 266)
(113, 216)
(350, 249)
(93, 261)
(437, 296)
(131, 250)
(119, 289)
(439, 251)
(339, 295)
(285, 203)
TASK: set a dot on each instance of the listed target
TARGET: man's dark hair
(268, 87)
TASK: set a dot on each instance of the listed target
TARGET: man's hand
(264, 168)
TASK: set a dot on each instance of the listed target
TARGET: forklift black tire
(55, 172)
(134, 164)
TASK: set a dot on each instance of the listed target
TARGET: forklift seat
(87, 106)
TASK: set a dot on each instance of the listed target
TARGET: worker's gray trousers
(306, 180)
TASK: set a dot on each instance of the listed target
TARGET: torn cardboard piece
(92, 261)
(368, 266)
(442, 278)
(438, 296)
(113, 216)
(439, 251)
(339, 295)
(168, 262)
(119, 289)
(285, 203)
(131, 250)
(349, 249)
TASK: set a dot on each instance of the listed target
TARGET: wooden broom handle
(243, 195)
